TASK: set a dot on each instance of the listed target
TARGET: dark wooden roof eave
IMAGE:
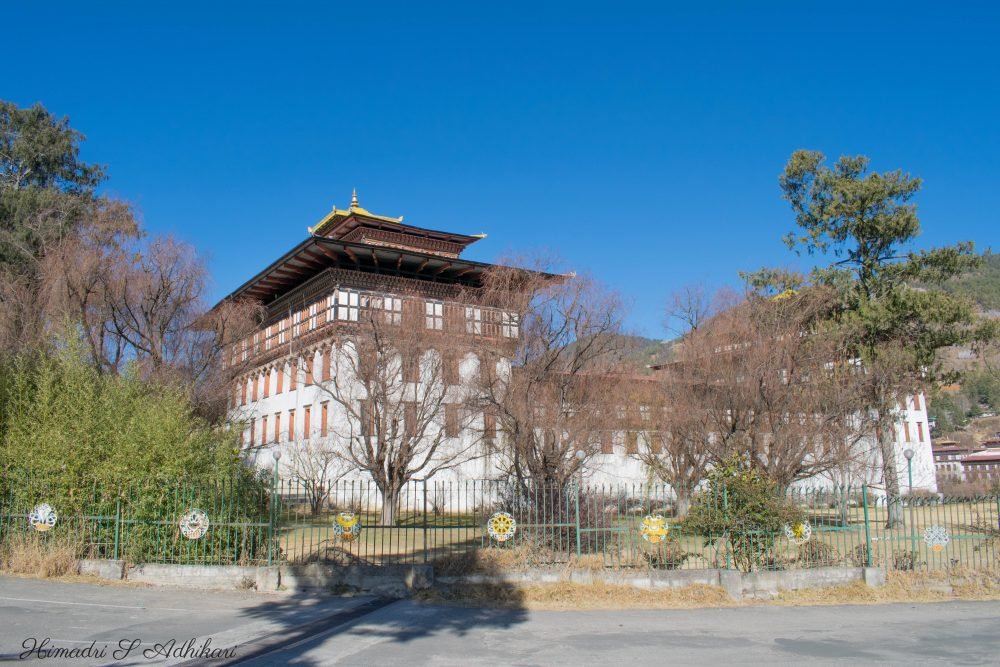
(316, 254)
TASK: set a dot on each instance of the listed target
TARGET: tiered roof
(358, 240)
(358, 224)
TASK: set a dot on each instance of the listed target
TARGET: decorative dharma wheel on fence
(936, 537)
(347, 526)
(654, 528)
(501, 526)
(798, 533)
(43, 517)
(194, 524)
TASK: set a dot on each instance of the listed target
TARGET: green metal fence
(140, 521)
(266, 521)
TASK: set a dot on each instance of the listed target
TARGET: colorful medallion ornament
(798, 533)
(194, 524)
(43, 517)
(347, 526)
(501, 526)
(654, 528)
(937, 537)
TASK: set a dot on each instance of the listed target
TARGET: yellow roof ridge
(344, 213)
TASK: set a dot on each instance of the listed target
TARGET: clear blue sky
(642, 144)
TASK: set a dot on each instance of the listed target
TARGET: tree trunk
(886, 448)
(319, 495)
(843, 501)
(683, 501)
(390, 505)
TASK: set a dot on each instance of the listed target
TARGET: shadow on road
(301, 628)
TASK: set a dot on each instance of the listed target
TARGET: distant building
(948, 458)
(982, 465)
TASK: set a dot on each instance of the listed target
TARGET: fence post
(576, 486)
(118, 522)
(868, 531)
(424, 482)
(271, 518)
(725, 510)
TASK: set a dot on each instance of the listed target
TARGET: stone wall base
(387, 581)
(739, 585)
(403, 580)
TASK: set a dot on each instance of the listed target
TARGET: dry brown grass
(609, 596)
(566, 595)
(935, 586)
(900, 587)
(32, 555)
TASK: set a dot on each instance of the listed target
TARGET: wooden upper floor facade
(354, 265)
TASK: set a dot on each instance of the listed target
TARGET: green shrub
(130, 454)
(746, 510)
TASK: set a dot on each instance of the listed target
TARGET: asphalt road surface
(279, 629)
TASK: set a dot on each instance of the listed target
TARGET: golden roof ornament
(354, 198)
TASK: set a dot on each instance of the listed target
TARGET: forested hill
(982, 285)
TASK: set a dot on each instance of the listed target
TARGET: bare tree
(766, 381)
(396, 386)
(547, 388)
(75, 274)
(53, 237)
(318, 463)
(136, 300)
(675, 440)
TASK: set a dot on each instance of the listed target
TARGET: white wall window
(282, 332)
(331, 308)
(473, 320)
(313, 313)
(393, 307)
(510, 325)
(434, 311)
(296, 324)
(347, 305)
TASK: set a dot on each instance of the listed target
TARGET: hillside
(981, 285)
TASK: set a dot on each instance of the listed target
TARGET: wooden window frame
(451, 429)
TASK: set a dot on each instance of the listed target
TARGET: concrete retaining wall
(737, 584)
(196, 576)
(403, 580)
(389, 581)
(652, 579)
(103, 569)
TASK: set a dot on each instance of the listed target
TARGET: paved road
(75, 615)
(410, 634)
(302, 630)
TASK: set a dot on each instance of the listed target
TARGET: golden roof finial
(354, 198)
